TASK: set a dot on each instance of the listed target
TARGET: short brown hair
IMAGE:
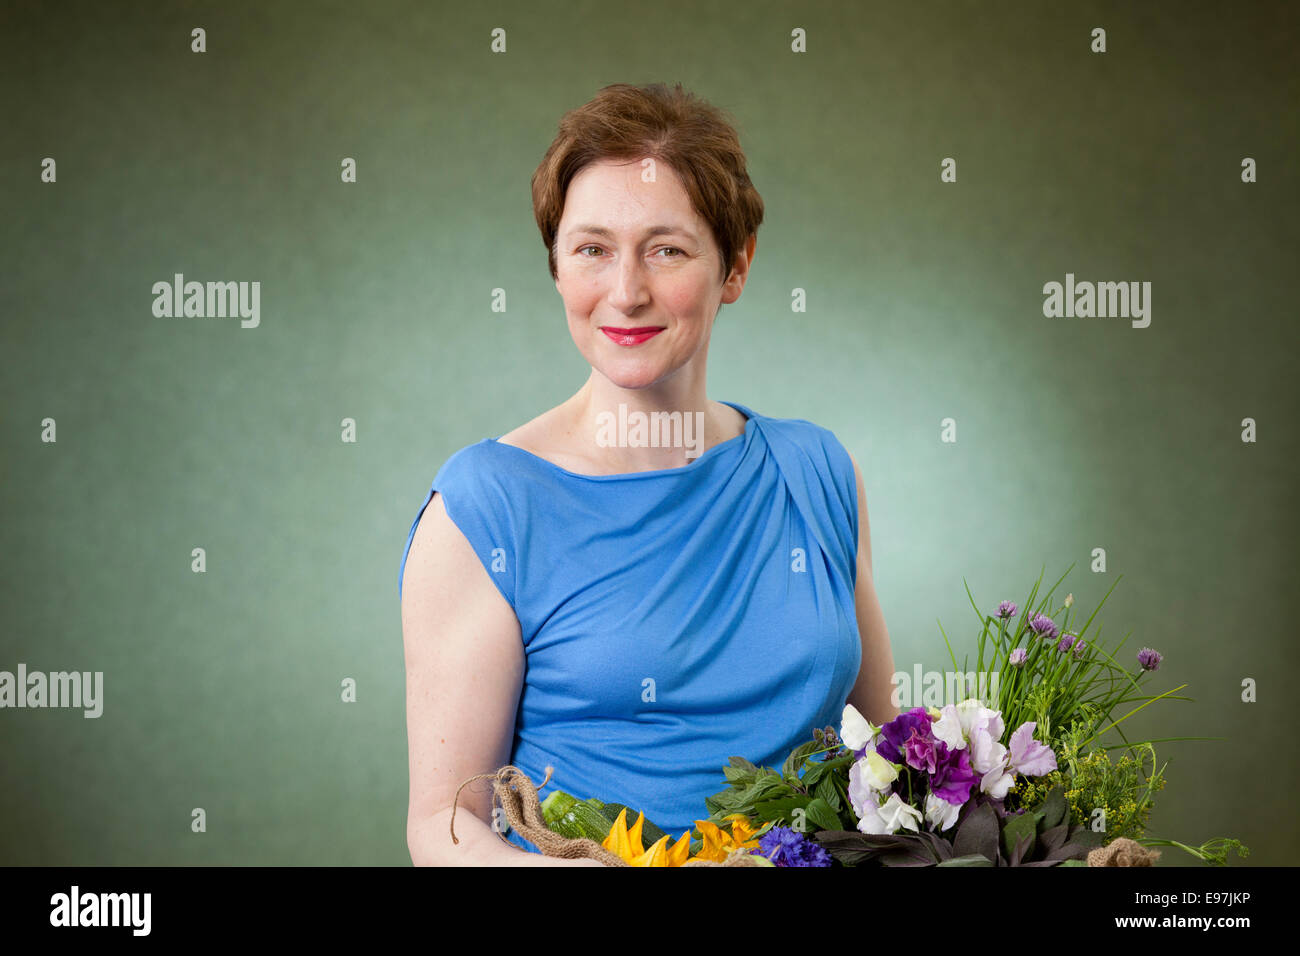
(672, 126)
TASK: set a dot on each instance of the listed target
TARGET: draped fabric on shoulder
(670, 619)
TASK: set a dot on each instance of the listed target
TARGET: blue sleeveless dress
(670, 619)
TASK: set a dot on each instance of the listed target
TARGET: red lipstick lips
(631, 337)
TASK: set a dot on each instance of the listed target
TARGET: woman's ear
(735, 282)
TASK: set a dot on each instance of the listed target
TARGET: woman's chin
(632, 372)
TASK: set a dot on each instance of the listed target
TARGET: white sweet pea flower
(948, 728)
(856, 731)
(997, 782)
(984, 736)
(939, 813)
(967, 711)
(864, 799)
(893, 815)
(877, 772)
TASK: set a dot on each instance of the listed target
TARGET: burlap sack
(1123, 852)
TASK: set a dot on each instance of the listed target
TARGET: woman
(627, 605)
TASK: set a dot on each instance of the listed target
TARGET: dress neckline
(737, 441)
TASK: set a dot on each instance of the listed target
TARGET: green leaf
(794, 763)
(1052, 808)
(742, 764)
(814, 774)
(822, 815)
(782, 811)
(1015, 831)
(825, 790)
(736, 775)
(970, 859)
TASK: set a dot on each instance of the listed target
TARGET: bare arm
(464, 671)
(872, 693)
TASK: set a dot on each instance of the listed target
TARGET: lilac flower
(1018, 656)
(786, 847)
(1043, 626)
(1006, 609)
(1149, 659)
(1065, 642)
(895, 733)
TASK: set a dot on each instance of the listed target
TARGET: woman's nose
(630, 285)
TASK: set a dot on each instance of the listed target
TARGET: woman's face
(638, 270)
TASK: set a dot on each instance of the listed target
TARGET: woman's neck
(628, 430)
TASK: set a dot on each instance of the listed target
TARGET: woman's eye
(679, 253)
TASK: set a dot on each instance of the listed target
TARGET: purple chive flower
(786, 847)
(1149, 659)
(895, 733)
(1006, 609)
(1065, 642)
(1043, 626)
(1018, 656)
(1078, 648)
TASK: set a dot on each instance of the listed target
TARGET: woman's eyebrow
(651, 231)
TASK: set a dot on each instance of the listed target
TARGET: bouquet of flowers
(1008, 772)
(1003, 779)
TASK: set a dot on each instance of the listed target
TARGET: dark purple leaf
(978, 834)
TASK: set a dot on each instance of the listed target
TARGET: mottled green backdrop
(924, 302)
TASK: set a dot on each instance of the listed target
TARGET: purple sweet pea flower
(1006, 609)
(895, 733)
(1149, 659)
(953, 778)
(1043, 626)
(920, 751)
